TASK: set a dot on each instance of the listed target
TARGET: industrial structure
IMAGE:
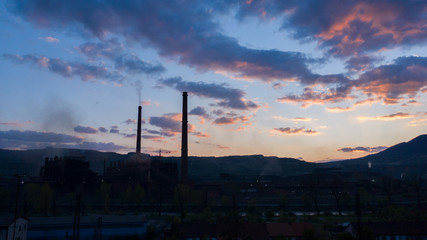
(139, 168)
(184, 139)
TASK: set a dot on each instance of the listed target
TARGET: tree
(345, 236)
(104, 192)
(313, 186)
(32, 196)
(417, 188)
(128, 195)
(388, 186)
(46, 198)
(138, 195)
(183, 198)
(4, 198)
(336, 188)
(283, 203)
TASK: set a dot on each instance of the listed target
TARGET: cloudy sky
(315, 80)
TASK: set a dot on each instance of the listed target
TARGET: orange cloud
(201, 135)
(339, 109)
(383, 88)
(301, 119)
(146, 103)
(368, 101)
(219, 146)
(390, 117)
(375, 18)
(311, 95)
(295, 119)
(153, 138)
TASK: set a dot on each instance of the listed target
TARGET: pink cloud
(146, 103)
(51, 39)
(16, 123)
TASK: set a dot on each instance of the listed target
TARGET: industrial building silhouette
(69, 171)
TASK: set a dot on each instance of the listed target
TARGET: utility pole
(358, 215)
(76, 227)
(99, 234)
(18, 185)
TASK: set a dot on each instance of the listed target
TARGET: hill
(246, 165)
(30, 161)
(407, 158)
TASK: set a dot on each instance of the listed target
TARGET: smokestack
(184, 142)
(138, 133)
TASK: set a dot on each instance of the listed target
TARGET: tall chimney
(184, 142)
(138, 133)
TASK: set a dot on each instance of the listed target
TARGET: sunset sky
(315, 80)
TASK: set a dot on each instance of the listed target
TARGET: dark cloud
(186, 32)
(189, 33)
(201, 112)
(66, 69)
(133, 64)
(101, 146)
(229, 97)
(27, 144)
(112, 49)
(230, 120)
(132, 135)
(153, 138)
(103, 129)
(301, 130)
(389, 117)
(162, 133)
(361, 63)
(33, 136)
(88, 130)
(106, 49)
(406, 76)
(130, 121)
(312, 96)
(363, 149)
(114, 129)
(218, 112)
(348, 27)
(278, 85)
(168, 123)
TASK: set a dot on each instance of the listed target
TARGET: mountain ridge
(411, 155)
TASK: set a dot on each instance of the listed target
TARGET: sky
(313, 80)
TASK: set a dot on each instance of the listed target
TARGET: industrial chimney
(138, 134)
(184, 142)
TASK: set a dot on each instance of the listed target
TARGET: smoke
(58, 115)
(138, 85)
